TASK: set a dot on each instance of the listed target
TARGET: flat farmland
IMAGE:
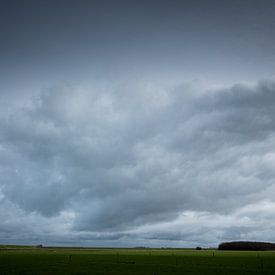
(28, 260)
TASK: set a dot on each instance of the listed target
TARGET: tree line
(244, 245)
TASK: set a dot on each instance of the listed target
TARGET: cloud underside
(139, 165)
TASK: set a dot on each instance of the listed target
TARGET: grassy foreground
(27, 260)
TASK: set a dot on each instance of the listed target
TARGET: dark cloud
(129, 164)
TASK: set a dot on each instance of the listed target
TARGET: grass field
(27, 260)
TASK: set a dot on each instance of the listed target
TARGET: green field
(27, 260)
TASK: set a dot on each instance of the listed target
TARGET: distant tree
(198, 248)
(243, 245)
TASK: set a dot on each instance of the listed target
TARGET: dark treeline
(253, 246)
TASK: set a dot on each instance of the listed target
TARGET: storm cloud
(139, 164)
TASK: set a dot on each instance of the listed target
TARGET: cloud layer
(137, 165)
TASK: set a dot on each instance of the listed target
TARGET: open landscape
(52, 260)
(137, 137)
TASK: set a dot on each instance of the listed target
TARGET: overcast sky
(137, 123)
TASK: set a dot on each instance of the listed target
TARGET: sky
(137, 123)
